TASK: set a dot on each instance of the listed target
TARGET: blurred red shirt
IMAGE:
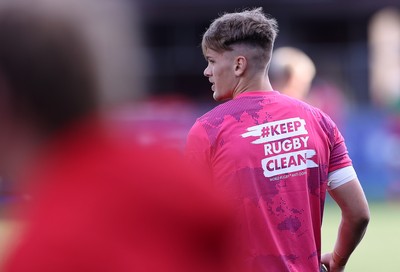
(103, 202)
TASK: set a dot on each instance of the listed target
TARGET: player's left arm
(355, 217)
(345, 188)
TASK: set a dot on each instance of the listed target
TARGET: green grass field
(380, 246)
(378, 251)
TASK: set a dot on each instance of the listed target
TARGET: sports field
(377, 252)
(379, 249)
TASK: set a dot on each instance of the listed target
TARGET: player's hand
(327, 260)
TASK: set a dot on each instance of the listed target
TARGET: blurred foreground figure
(99, 200)
(276, 155)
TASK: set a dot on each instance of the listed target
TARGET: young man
(99, 200)
(275, 155)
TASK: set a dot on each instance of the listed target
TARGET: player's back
(272, 153)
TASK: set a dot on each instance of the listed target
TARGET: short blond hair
(251, 27)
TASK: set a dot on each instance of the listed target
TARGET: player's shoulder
(244, 102)
(300, 105)
(216, 113)
(312, 113)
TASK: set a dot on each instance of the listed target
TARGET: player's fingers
(326, 259)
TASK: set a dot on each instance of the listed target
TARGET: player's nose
(207, 71)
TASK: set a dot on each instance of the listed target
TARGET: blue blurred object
(374, 147)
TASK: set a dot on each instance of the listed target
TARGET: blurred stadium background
(355, 47)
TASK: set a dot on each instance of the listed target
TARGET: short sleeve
(339, 155)
(341, 176)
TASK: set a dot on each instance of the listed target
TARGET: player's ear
(240, 65)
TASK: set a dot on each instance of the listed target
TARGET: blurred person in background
(99, 200)
(275, 155)
(291, 72)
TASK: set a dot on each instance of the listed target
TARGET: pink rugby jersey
(273, 153)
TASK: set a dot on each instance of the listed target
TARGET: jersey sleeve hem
(341, 176)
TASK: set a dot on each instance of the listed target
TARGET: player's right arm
(355, 217)
(197, 149)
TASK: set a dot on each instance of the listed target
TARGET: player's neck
(255, 83)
